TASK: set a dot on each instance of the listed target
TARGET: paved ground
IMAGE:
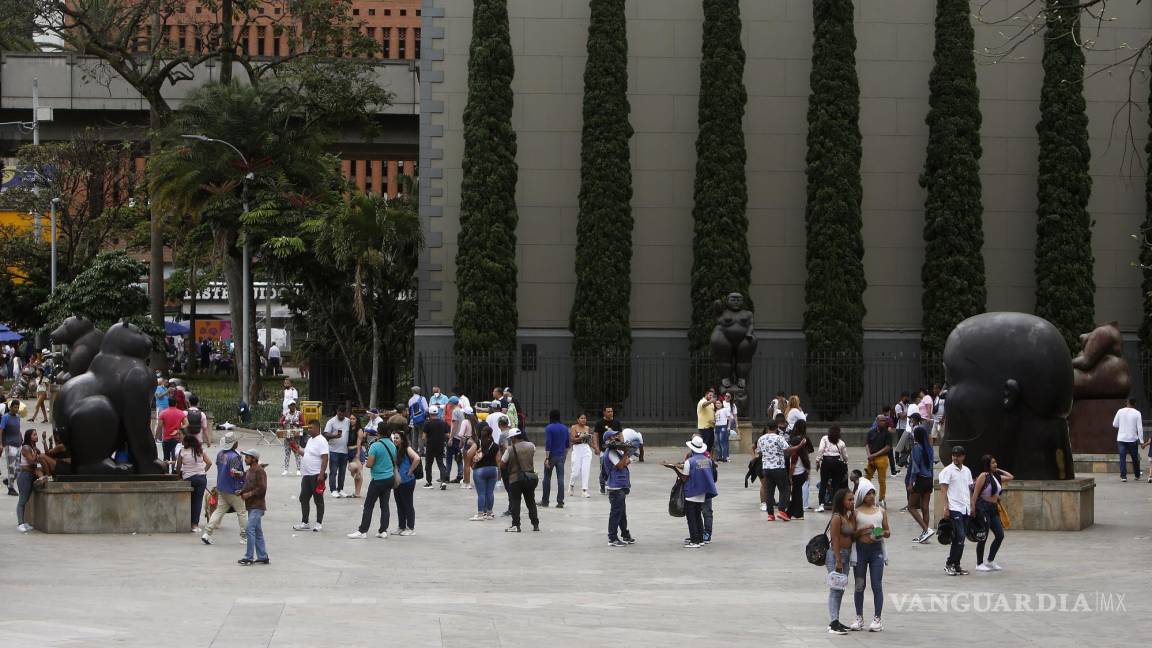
(461, 583)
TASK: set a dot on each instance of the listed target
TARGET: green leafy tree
(24, 278)
(106, 292)
(720, 260)
(1065, 289)
(17, 25)
(834, 318)
(953, 271)
(1145, 238)
(485, 321)
(602, 335)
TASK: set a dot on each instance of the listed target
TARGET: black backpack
(195, 421)
(817, 549)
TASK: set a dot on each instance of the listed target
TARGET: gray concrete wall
(894, 60)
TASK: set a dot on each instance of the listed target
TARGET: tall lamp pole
(246, 269)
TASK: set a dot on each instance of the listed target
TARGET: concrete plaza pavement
(461, 583)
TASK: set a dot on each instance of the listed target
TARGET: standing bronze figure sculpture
(733, 346)
(1009, 394)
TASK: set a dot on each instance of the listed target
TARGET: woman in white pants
(584, 446)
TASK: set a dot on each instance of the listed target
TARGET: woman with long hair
(871, 528)
(193, 463)
(919, 482)
(485, 472)
(986, 503)
(409, 461)
(832, 464)
(841, 530)
(793, 412)
(29, 470)
(42, 384)
(584, 446)
(357, 454)
(468, 435)
(801, 466)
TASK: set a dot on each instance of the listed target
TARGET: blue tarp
(175, 328)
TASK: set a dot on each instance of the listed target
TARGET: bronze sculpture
(108, 408)
(733, 346)
(1009, 394)
(83, 340)
(1101, 370)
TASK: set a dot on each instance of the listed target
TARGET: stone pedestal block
(1041, 505)
(111, 507)
(748, 438)
(1104, 463)
(1090, 425)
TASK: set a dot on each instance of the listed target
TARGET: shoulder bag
(676, 499)
(817, 549)
(528, 478)
(395, 467)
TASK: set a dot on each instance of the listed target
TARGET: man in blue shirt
(556, 449)
(615, 462)
(229, 483)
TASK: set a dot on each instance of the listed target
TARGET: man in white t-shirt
(956, 484)
(499, 423)
(313, 468)
(336, 431)
(273, 360)
(1129, 437)
(290, 396)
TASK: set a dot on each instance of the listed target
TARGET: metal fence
(663, 387)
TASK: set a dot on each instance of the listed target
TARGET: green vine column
(1065, 289)
(834, 318)
(485, 321)
(953, 271)
(602, 335)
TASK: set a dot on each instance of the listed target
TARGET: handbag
(676, 499)
(528, 478)
(816, 550)
(1005, 521)
(837, 580)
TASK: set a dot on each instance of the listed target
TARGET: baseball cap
(958, 449)
(254, 453)
(434, 410)
(514, 432)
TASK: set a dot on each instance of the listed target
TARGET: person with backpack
(699, 487)
(841, 534)
(519, 459)
(417, 414)
(197, 422)
(381, 464)
(832, 464)
(229, 483)
(619, 484)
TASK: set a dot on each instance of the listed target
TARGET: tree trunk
(374, 390)
(193, 351)
(159, 360)
(347, 362)
(226, 42)
(232, 279)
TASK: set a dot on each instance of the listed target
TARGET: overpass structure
(82, 93)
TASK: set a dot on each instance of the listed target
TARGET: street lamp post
(245, 270)
(53, 219)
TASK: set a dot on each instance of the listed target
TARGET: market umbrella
(175, 328)
(10, 336)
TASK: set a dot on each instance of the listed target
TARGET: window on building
(197, 40)
(417, 12)
(371, 12)
(355, 12)
(276, 46)
(371, 33)
(353, 166)
(199, 9)
(403, 12)
(261, 34)
(416, 37)
(527, 357)
(182, 38)
(369, 176)
(386, 47)
(387, 12)
(401, 43)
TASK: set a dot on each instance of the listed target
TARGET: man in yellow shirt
(706, 418)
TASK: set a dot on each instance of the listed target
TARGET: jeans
(722, 442)
(618, 514)
(1131, 449)
(199, 485)
(581, 464)
(485, 480)
(694, 512)
(308, 493)
(557, 465)
(708, 435)
(518, 490)
(995, 528)
(169, 447)
(337, 467)
(405, 510)
(455, 456)
(870, 564)
(256, 548)
(378, 489)
(833, 477)
(835, 597)
(24, 481)
(708, 518)
(776, 479)
(435, 453)
(796, 503)
(878, 467)
(958, 531)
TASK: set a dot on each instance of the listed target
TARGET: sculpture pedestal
(1041, 505)
(143, 506)
(1104, 463)
(1090, 425)
(747, 442)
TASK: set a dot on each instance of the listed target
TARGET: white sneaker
(820, 509)
(479, 517)
(383, 535)
(303, 526)
(284, 473)
(22, 528)
(356, 535)
(318, 528)
(858, 624)
(883, 504)
(876, 625)
(994, 565)
(983, 567)
(586, 493)
(407, 532)
(928, 534)
(337, 494)
(297, 472)
(207, 539)
(763, 506)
